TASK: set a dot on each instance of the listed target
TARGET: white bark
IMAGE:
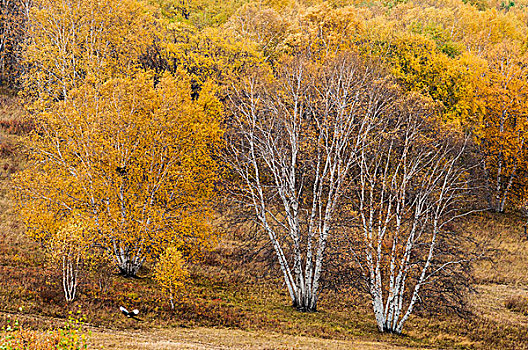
(127, 263)
(70, 275)
(294, 145)
(407, 188)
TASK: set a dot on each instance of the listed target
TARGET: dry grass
(503, 278)
(504, 234)
(491, 301)
(10, 106)
(13, 126)
(209, 338)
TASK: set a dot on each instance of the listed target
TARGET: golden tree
(69, 40)
(451, 81)
(170, 272)
(209, 54)
(135, 158)
(504, 124)
(67, 248)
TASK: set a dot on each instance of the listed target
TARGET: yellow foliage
(198, 13)
(263, 25)
(170, 272)
(503, 127)
(450, 81)
(72, 240)
(324, 31)
(211, 54)
(134, 158)
(68, 41)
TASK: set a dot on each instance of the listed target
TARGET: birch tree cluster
(410, 186)
(120, 153)
(316, 142)
(294, 144)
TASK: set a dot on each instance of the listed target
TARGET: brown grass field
(220, 339)
(227, 307)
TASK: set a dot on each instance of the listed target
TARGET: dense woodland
(346, 150)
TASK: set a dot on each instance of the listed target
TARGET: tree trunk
(128, 268)
(305, 300)
(128, 265)
(171, 298)
(307, 303)
(70, 272)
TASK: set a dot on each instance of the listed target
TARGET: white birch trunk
(406, 193)
(294, 144)
(70, 276)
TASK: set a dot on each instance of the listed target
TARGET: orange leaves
(504, 124)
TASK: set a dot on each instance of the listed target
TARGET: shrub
(170, 273)
(518, 304)
(17, 126)
(69, 337)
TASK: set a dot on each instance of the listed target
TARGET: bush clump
(69, 337)
(518, 304)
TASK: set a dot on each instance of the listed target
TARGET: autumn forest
(275, 174)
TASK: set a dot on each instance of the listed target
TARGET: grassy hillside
(227, 295)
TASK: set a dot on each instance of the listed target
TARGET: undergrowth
(518, 304)
(70, 336)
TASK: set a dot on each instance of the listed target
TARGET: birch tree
(68, 250)
(70, 40)
(135, 160)
(407, 191)
(296, 135)
(501, 135)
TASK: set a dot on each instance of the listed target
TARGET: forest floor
(236, 304)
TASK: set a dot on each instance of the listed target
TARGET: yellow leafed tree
(171, 273)
(70, 40)
(502, 133)
(134, 157)
(67, 247)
